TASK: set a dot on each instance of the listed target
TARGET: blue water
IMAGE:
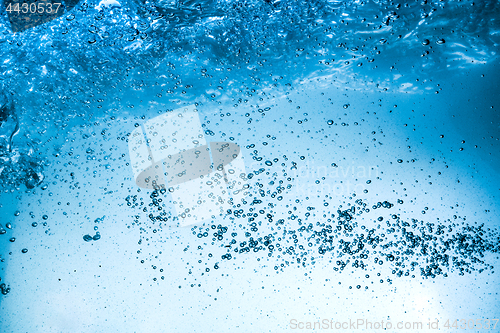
(370, 137)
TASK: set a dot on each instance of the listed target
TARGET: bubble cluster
(347, 235)
(97, 235)
(18, 165)
(4, 289)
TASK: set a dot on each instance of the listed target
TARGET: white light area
(109, 4)
(455, 44)
(133, 46)
(408, 34)
(74, 71)
(213, 19)
(408, 88)
(70, 310)
(467, 58)
(44, 70)
(381, 31)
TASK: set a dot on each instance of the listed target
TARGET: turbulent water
(82, 64)
(370, 132)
